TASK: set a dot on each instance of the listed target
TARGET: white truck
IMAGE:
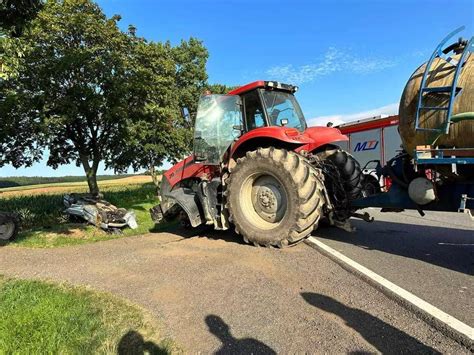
(372, 141)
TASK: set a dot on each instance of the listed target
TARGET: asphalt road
(214, 294)
(431, 256)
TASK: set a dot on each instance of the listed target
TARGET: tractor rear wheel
(274, 197)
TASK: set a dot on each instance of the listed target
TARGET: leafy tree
(165, 134)
(191, 58)
(89, 92)
(15, 14)
(83, 89)
(73, 84)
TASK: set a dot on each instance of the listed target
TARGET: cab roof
(271, 85)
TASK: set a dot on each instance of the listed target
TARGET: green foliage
(220, 89)
(14, 181)
(35, 210)
(191, 76)
(15, 15)
(41, 317)
(161, 132)
(89, 93)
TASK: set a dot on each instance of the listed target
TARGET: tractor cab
(222, 119)
(271, 103)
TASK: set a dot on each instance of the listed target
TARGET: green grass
(38, 317)
(45, 226)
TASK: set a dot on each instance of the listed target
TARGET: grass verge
(43, 224)
(60, 319)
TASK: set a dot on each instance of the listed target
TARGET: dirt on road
(215, 294)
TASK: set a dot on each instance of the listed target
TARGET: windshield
(283, 106)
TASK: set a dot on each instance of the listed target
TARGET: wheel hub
(268, 199)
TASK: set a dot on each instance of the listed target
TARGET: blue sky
(351, 59)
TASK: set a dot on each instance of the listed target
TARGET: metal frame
(453, 90)
(437, 156)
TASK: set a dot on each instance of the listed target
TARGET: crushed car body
(98, 212)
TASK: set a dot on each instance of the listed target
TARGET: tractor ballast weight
(256, 165)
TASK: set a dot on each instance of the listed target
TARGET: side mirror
(283, 122)
(199, 152)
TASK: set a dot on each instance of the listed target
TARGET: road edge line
(447, 324)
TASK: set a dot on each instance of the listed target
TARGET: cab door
(218, 125)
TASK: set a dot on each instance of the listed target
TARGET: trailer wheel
(8, 229)
(370, 186)
(274, 197)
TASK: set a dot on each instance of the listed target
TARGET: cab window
(253, 110)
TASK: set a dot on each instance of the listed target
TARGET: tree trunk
(154, 176)
(155, 179)
(91, 175)
(92, 182)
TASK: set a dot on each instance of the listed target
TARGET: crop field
(16, 181)
(41, 208)
(76, 186)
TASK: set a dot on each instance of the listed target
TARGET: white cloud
(391, 109)
(334, 60)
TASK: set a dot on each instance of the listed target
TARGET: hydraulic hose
(462, 117)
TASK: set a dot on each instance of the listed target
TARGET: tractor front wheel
(274, 197)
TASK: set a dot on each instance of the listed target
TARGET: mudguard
(189, 202)
(189, 168)
(185, 197)
(309, 140)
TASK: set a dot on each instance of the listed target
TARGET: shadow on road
(232, 345)
(198, 232)
(133, 343)
(384, 337)
(445, 247)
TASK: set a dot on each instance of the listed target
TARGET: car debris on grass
(99, 212)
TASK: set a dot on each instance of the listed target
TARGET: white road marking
(447, 320)
(458, 244)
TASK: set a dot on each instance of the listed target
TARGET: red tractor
(257, 166)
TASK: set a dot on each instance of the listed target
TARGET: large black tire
(274, 197)
(349, 170)
(370, 186)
